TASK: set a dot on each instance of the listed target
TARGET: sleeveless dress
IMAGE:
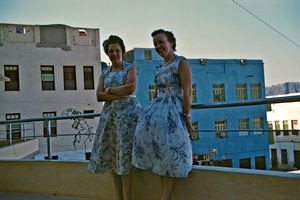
(161, 141)
(112, 148)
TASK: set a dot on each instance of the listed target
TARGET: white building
(51, 68)
(285, 152)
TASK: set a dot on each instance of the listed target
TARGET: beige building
(285, 152)
(51, 68)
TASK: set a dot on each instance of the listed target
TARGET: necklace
(169, 61)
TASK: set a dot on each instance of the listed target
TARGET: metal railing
(48, 122)
(194, 106)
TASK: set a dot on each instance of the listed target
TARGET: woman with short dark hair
(112, 147)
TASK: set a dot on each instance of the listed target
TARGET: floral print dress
(112, 148)
(161, 141)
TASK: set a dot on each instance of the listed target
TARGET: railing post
(33, 127)
(24, 131)
(10, 135)
(49, 139)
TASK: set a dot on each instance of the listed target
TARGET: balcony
(71, 179)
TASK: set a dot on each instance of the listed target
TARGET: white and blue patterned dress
(112, 148)
(161, 141)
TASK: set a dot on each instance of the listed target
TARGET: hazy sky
(203, 28)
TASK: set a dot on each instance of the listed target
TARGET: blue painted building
(218, 81)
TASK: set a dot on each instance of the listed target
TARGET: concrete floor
(27, 196)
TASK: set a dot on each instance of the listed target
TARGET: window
(12, 72)
(285, 125)
(295, 126)
(269, 107)
(194, 96)
(151, 92)
(255, 90)
(271, 133)
(69, 78)
(82, 32)
(284, 159)
(258, 124)
(221, 125)
(147, 55)
(277, 127)
(241, 91)
(20, 30)
(52, 122)
(194, 135)
(244, 125)
(47, 77)
(88, 111)
(219, 93)
(88, 73)
(245, 163)
(15, 128)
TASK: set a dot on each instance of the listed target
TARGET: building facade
(51, 68)
(285, 118)
(218, 81)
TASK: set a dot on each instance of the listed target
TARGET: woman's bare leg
(118, 186)
(126, 186)
(167, 185)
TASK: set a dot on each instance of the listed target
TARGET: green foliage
(82, 127)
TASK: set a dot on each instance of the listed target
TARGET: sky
(213, 29)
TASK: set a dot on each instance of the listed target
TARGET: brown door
(297, 159)
(260, 162)
(274, 159)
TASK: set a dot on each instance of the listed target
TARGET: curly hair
(169, 35)
(113, 39)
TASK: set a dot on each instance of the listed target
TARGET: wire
(261, 20)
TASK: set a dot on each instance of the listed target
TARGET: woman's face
(115, 53)
(162, 45)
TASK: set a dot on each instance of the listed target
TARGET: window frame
(87, 82)
(67, 86)
(53, 124)
(14, 83)
(221, 90)
(43, 72)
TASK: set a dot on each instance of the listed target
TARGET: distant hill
(284, 88)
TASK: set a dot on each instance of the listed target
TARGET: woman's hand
(107, 90)
(188, 124)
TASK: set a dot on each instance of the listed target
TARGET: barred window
(243, 125)
(151, 92)
(194, 135)
(255, 90)
(258, 124)
(277, 127)
(285, 125)
(221, 125)
(295, 126)
(147, 54)
(241, 91)
(219, 93)
(194, 95)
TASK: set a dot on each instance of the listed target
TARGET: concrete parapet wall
(210, 183)
(19, 150)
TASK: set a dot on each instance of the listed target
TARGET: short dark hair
(113, 39)
(169, 35)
